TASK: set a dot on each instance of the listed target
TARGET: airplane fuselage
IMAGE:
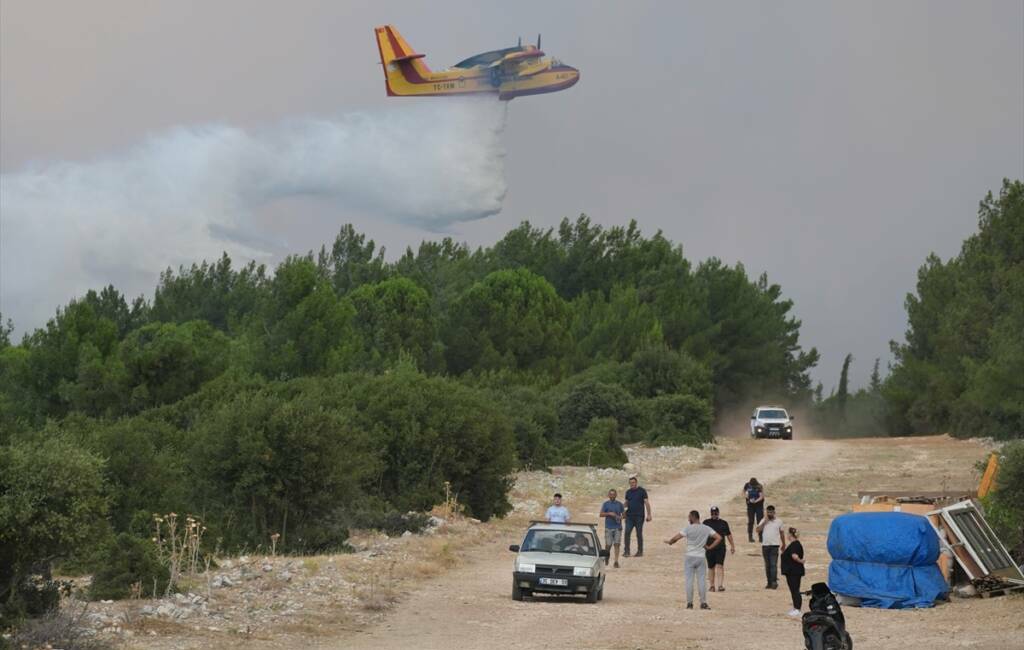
(509, 73)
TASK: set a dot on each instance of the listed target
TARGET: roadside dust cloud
(190, 193)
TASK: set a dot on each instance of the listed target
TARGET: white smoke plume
(190, 193)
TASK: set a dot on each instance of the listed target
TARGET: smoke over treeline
(192, 192)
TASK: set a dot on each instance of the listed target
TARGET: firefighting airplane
(511, 72)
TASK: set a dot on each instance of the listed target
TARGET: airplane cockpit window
(486, 58)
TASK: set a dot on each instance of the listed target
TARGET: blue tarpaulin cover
(887, 559)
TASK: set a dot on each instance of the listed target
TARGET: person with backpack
(753, 494)
(793, 569)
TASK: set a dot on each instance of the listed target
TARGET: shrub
(592, 399)
(597, 447)
(63, 627)
(679, 420)
(1005, 505)
(51, 505)
(125, 561)
(661, 371)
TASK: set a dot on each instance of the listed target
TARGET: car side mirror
(792, 419)
(604, 553)
(753, 417)
(514, 548)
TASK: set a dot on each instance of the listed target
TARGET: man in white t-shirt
(557, 513)
(695, 561)
(773, 537)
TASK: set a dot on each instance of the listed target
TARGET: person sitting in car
(580, 544)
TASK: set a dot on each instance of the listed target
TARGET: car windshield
(559, 541)
(772, 414)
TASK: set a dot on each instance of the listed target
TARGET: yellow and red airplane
(510, 72)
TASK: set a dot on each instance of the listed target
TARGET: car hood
(557, 559)
(773, 421)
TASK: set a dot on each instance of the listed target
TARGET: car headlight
(528, 568)
(759, 428)
(582, 571)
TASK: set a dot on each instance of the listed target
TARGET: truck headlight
(528, 568)
(582, 572)
(758, 428)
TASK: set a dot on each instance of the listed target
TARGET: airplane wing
(522, 64)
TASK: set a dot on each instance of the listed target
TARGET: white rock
(268, 567)
(407, 533)
(165, 610)
(286, 575)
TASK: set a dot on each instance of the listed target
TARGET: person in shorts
(612, 511)
(716, 556)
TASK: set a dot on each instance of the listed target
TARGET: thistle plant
(178, 546)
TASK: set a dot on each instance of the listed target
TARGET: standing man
(695, 566)
(716, 556)
(612, 511)
(557, 513)
(773, 538)
(753, 494)
(637, 506)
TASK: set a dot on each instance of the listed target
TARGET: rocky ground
(448, 585)
(280, 599)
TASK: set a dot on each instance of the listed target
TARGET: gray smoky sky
(830, 145)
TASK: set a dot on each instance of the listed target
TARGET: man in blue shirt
(612, 511)
(638, 510)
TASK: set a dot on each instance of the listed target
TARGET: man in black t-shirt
(716, 556)
(638, 510)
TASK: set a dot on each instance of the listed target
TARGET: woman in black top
(793, 569)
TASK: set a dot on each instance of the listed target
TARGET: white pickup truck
(771, 422)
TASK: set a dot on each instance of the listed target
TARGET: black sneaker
(639, 554)
(704, 606)
(626, 554)
(689, 605)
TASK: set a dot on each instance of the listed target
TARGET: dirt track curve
(470, 607)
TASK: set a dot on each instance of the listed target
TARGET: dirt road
(809, 480)
(471, 608)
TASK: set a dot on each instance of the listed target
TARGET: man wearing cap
(716, 555)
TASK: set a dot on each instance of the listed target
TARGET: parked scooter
(825, 626)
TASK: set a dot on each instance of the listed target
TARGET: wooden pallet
(1002, 591)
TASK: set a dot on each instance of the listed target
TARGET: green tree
(164, 362)
(308, 329)
(511, 319)
(678, 420)
(591, 399)
(278, 459)
(959, 367)
(613, 327)
(659, 371)
(393, 317)
(52, 505)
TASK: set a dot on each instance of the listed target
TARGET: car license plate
(555, 582)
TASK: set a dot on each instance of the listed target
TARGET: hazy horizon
(833, 147)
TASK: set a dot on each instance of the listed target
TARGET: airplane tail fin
(402, 65)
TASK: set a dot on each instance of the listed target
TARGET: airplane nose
(575, 76)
